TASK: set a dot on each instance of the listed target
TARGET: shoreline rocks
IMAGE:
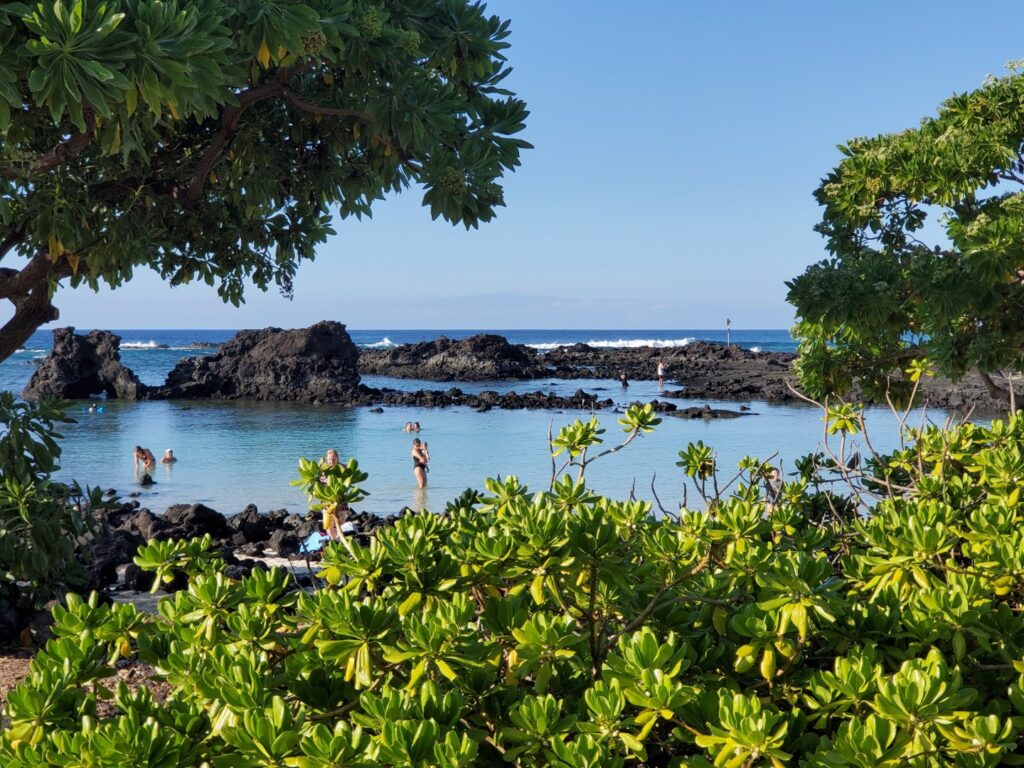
(80, 366)
(484, 357)
(315, 364)
(321, 365)
(250, 533)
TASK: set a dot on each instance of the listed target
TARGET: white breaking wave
(142, 345)
(619, 343)
(384, 343)
(755, 349)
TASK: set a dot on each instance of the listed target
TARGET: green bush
(43, 524)
(564, 628)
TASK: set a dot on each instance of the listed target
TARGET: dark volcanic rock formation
(705, 369)
(486, 400)
(485, 357)
(707, 413)
(315, 365)
(79, 366)
(320, 364)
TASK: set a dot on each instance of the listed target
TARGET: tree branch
(29, 291)
(62, 152)
(315, 109)
(12, 239)
(994, 389)
(17, 284)
(30, 312)
(228, 125)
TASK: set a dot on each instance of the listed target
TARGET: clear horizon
(677, 148)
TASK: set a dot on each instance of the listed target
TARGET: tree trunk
(30, 312)
(28, 290)
(994, 390)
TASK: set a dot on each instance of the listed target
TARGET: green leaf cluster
(326, 485)
(45, 526)
(898, 287)
(564, 628)
(215, 141)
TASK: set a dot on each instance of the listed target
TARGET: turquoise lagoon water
(232, 454)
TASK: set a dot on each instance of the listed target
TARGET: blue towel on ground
(314, 543)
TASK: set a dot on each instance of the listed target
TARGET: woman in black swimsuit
(420, 458)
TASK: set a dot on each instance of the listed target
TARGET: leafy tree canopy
(212, 140)
(898, 288)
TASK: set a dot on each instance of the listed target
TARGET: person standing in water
(661, 373)
(420, 458)
(144, 457)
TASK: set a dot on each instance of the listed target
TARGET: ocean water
(232, 454)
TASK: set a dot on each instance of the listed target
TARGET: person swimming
(168, 457)
(420, 458)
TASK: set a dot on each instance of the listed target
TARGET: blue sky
(677, 147)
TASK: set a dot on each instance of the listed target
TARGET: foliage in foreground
(563, 628)
(213, 140)
(893, 290)
(42, 522)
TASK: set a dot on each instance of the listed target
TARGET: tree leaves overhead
(214, 140)
(925, 230)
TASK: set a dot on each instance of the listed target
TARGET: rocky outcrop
(249, 533)
(314, 365)
(705, 370)
(320, 364)
(485, 357)
(707, 413)
(79, 366)
(486, 400)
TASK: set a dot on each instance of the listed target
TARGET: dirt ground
(13, 668)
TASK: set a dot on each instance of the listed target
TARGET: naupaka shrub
(565, 628)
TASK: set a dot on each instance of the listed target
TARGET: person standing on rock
(420, 458)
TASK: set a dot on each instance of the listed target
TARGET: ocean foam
(142, 345)
(619, 343)
(384, 343)
(755, 349)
